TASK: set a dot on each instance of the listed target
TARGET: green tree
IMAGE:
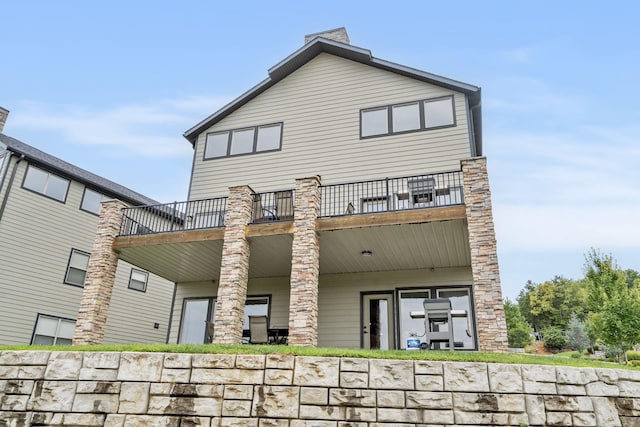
(551, 303)
(614, 305)
(518, 330)
(576, 333)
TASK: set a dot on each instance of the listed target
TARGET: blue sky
(111, 87)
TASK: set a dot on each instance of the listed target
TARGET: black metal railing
(392, 194)
(272, 206)
(177, 216)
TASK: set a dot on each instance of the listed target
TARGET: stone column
(234, 268)
(101, 273)
(305, 264)
(487, 293)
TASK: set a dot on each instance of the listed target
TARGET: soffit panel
(178, 262)
(395, 247)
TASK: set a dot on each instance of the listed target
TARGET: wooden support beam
(168, 238)
(416, 216)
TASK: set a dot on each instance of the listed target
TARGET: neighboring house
(48, 219)
(334, 197)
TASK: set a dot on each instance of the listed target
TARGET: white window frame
(139, 273)
(69, 267)
(62, 324)
(229, 136)
(48, 179)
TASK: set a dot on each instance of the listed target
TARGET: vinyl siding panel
(319, 105)
(339, 298)
(37, 235)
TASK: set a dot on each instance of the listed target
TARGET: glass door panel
(412, 327)
(194, 316)
(463, 329)
(377, 321)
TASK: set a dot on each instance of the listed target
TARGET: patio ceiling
(436, 244)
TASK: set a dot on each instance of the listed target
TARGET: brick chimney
(337, 35)
(3, 117)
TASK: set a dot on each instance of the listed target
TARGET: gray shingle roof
(57, 165)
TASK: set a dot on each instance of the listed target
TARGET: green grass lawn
(454, 356)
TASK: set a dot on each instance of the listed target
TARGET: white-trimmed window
(138, 280)
(46, 183)
(407, 117)
(53, 330)
(91, 201)
(77, 268)
(255, 139)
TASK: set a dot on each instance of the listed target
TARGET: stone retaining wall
(157, 389)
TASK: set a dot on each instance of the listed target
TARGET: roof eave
(307, 52)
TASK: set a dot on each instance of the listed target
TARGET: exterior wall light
(366, 253)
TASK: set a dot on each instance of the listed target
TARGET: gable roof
(38, 157)
(319, 45)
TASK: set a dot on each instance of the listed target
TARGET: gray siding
(37, 235)
(339, 298)
(320, 105)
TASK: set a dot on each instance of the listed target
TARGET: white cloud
(153, 129)
(566, 190)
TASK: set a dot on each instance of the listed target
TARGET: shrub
(633, 355)
(554, 338)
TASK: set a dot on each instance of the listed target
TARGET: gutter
(10, 184)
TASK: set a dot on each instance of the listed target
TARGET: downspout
(9, 185)
(173, 303)
(472, 128)
(4, 173)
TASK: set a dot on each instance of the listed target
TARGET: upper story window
(91, 201)
(46, 183)
(407, 117)
(234, 142)
(77, 268)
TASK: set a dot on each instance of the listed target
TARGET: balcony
(392, 194)
(409, 222)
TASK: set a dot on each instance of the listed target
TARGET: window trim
(84, 192)
(254, 149)
(146, 281)
(66, 274)
(35, 325)
(422, 128)
(48, 172)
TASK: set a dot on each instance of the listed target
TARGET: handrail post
(387, 195)
(173, 215)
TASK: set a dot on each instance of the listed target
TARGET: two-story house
(48, 219)
(335, 196)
